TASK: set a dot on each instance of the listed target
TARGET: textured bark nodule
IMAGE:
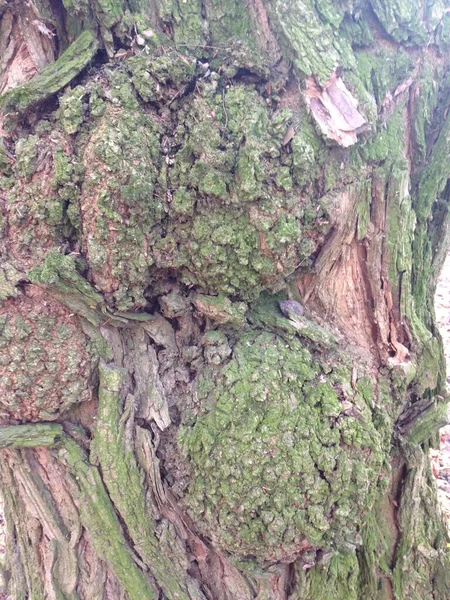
(221, 228)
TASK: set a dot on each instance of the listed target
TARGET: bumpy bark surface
(170, 172)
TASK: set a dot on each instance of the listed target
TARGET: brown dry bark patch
(26, 46)
(266, 37)
(338, 290)
(351, 286)
(52, 528)
(335, 110)
(291, 97)
(46, 363)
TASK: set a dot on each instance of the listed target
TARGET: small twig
(224, 109)
(203, 46)
(176, 95)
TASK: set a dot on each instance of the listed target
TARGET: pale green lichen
(221, 310)
(337, 576)
(42, 373)
(124, 157)
(143, 213)
(422, 550)
(9, 278)
(26, 155)
(277, 462)
(71, 109)
(229, 149)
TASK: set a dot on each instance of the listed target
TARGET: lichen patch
(46, 361)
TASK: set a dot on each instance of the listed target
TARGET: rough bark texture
(222, 224)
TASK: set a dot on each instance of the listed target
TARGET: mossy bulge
(287, 459)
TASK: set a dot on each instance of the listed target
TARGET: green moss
(209, 183)
(228, 148)
(379, 538)
(428, 422)
(401, 20)
(109, 12)
(334, 577)
(433, 179)
(424, 107)
(387, 143)
(382, 70)
(97, 105)
(30, 436)
(311, 37)
(356, 28)
(306, 148)
(363, 209)
(59, 274)
(155, 77)
(330, 12)
(249, 172)
(220, 252)
(284, 179)
(123, 478)
(229, 21)
(183, 201)
(98, 516)
(276, 461)
(185, 18)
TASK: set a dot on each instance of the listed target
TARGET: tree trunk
(222, 224)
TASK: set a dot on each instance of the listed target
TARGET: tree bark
(222, 224)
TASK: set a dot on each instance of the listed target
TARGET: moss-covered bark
(222, 224)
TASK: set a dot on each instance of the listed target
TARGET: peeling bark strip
(98, 516)
(30, 436)
(220, 229)
(113, 449)
(335, 110)
(51, 79)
